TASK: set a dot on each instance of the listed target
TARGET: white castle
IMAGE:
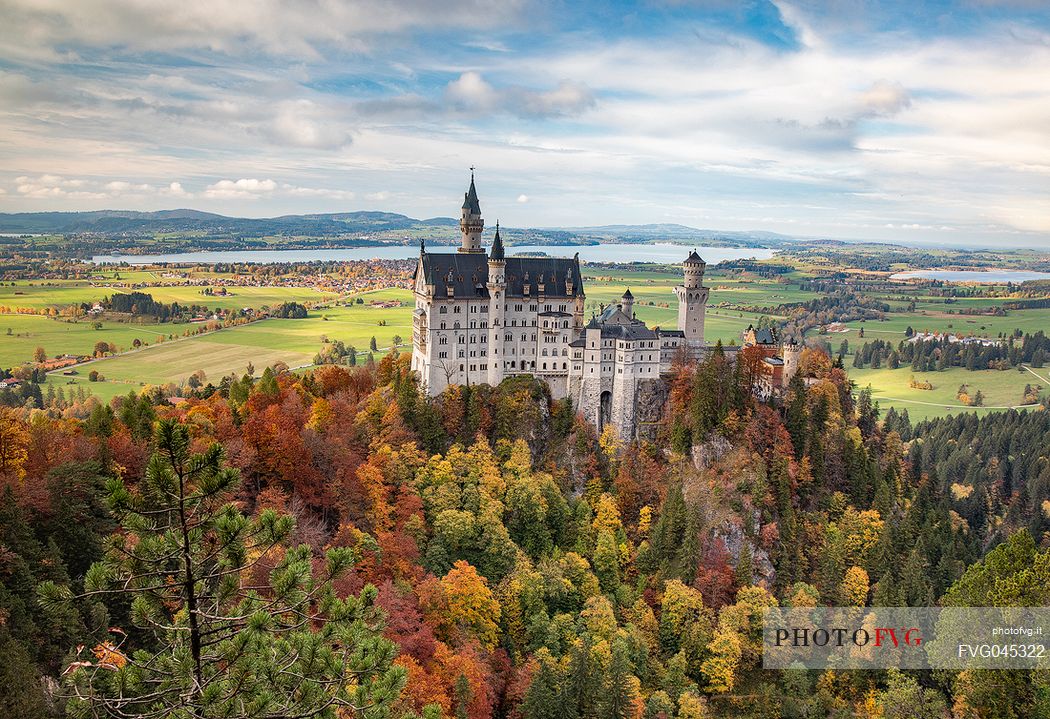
(481, 317)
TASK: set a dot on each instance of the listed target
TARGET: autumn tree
(14, 438)
(226, 619)
(462, 606)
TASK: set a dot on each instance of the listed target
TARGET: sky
(909, 121)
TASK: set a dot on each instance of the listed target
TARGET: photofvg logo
(906, 637)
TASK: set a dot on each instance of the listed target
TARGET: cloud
(885, 98)
(243, 189)
(254, 189)
(54, 186)
(303, 123)
(522, 199)
(52, 29)
(470, 92)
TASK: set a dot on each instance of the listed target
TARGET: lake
(664, 253)
(986, 277)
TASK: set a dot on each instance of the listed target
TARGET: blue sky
(902, 121)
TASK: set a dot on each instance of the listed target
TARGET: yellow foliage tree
(14, 442)
(855, 586)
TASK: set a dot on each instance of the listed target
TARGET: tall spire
(470, 199)
(497, 246)
(471, 224)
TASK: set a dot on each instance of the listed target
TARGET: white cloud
(303, 123)
(522, 199)
(885, 98)
(242, 189)
(471, 93)
(38, 28)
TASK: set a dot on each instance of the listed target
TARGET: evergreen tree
(208, 640)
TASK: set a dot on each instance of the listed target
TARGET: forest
(335, 543)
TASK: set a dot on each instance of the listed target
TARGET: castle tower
(792, 354)
(692, 301)
(497, 286)
(627, 304)
(470, 222)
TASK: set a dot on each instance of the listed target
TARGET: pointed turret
(470, 198)
(470, 223)
(627, 303)
(496, 253)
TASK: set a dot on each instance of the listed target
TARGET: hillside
(356, 226)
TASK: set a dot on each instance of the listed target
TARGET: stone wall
(650, 399)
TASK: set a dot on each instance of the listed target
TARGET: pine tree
(618, 697)
(208, 641)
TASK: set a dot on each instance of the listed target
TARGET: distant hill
(359, 227)
(670, 231)
(184, 220)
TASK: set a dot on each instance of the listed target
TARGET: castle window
(474, 309)
(532, 308)
(455, 325)
(565, 365)
(456, 310)
(442, 340)
(442, 325)
(442, 355)
(443, 310)
(544, 365)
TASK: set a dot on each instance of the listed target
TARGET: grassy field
(57, 336)
(921, 320)
(892, 389)
(229, 351)
(38, 295)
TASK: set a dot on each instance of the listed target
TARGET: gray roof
(628, 332)
(468, 274)
(627, 295)
(764, 336)
(693, 257)
(670, 333)
(470, 199)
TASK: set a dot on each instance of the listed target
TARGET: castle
(481, 317)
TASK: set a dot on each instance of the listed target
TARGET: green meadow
(20, 335)
(262, 343)
(41, 294)
(892, 389)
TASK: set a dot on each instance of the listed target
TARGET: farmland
(892, 388)
(736, 301)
